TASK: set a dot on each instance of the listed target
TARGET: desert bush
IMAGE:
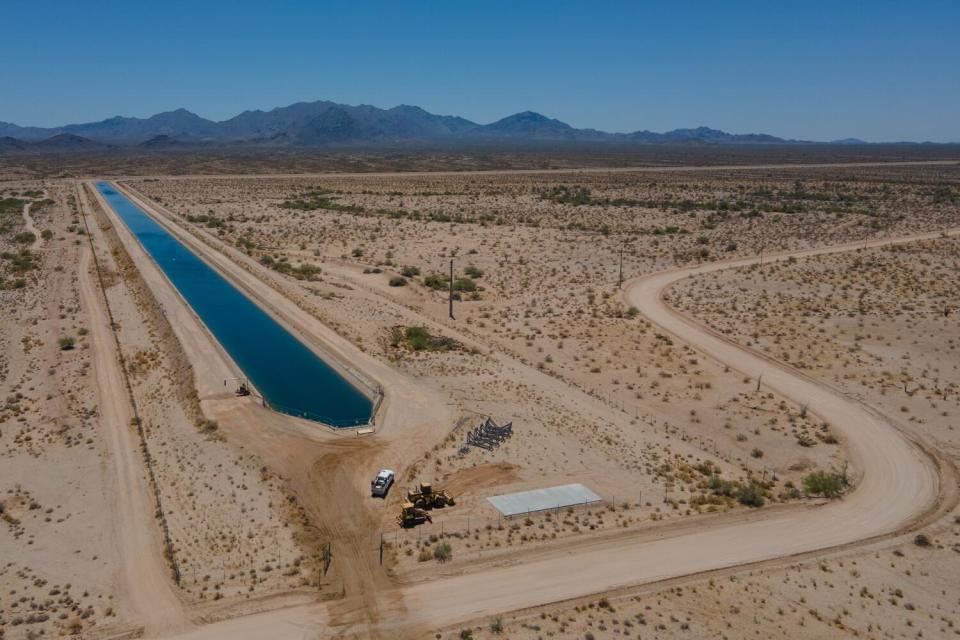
(67, 342)
(205, 425)
(410, 271)
(822, 483)
(442, 552)
(750, 495)
(398, 281)
(435, 281)
(720, 486)
(418, 338)
(464, 284)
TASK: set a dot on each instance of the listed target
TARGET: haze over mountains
(323, 123)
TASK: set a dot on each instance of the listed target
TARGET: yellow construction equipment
(411, 516)
(425, 497)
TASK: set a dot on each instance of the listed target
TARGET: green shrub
(436, 281)
(750, 495)
(410, 271)
(473, 271)
(398, 281)
(721, 487)
(67, 342)
(464, 284)
(21, 261)
(418, 338)
(821, 483)
(442, 552)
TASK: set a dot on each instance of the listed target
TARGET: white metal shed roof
(567, 495)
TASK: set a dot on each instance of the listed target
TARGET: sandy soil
(60, 570)
(147, 587)
(475, 593)
(660, 414)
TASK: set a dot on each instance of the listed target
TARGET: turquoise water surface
(291, 377)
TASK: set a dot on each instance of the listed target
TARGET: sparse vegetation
(442, 552)
(419, 338)
(826, 484)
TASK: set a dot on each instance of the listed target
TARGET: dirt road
(145, 585)
(28, 225)
(328, 471)
(896, 484)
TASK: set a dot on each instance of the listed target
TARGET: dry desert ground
(756, 369)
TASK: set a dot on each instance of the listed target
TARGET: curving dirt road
(897, 484)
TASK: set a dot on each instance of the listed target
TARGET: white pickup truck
(382, 483)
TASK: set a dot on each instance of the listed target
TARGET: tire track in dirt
(146, 576)
(899, 485)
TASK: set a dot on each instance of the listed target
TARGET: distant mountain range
(323, 123)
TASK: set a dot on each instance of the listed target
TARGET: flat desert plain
(757, 369)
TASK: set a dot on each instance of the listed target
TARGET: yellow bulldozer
(425, 497)
(411, 516)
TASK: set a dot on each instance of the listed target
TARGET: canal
(292, 378)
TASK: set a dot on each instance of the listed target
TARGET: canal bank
(280, 359)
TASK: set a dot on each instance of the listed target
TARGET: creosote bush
(822, 483)
(750, 495)
(442, 552)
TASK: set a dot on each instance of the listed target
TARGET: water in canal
(291, 377)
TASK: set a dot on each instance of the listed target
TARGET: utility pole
(451, 289)
(620, 279)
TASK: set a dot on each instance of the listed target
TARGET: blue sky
(803, 69)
